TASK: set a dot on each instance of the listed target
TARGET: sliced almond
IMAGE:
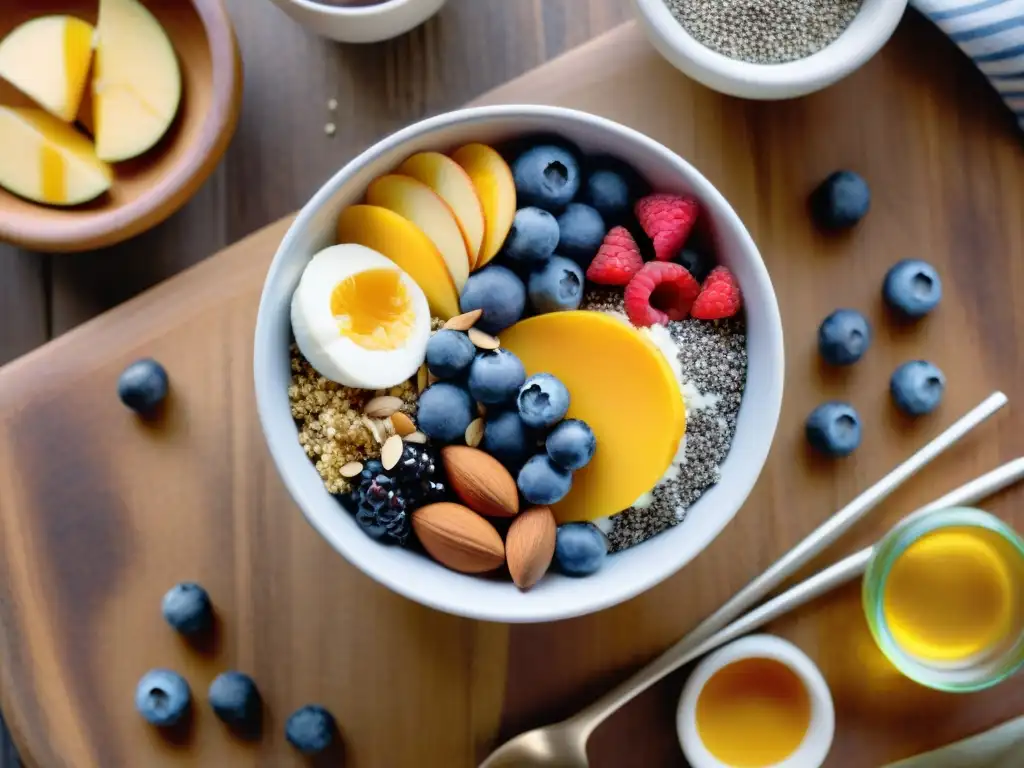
(351, 469)
(391, 452)
(416, 437)
(386, 427)
(382, 407)
(374, 429)
(481, 409)
(465, 321)
(421, 377)
(402, 423)
(431, 379)
(482, 340)
(475, 433)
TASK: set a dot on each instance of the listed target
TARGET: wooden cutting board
(100, 514)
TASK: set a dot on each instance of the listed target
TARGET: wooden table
(281, 152)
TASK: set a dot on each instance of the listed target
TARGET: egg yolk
(373, 309)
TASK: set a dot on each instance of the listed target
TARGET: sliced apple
(404, 243)
(453, 185)
(136, 87)
(492, 179)
(48, 60)
(421, 205)
(46, 160)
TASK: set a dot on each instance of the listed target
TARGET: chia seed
(764, 31)
(712, 359)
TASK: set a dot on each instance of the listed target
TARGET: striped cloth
(991, 32)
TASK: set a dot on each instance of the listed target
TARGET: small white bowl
(867, 33)
(817, 741)
(360, 23)
(625, 574)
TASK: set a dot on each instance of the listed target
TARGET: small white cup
(820, 731)
(360, 23)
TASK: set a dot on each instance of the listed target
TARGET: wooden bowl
(149, 188)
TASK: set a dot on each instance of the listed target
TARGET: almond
(391, 452)
(402, 423)
(351, 469)
(480, 481)
(465, 321)
(458, 538)
(416, 437)
(482, 340)
(421, 378)
(474, 433)
(530, 545)
(382, 407)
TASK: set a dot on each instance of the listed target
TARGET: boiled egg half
(360, 320)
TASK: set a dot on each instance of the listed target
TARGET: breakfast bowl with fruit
(518, 363)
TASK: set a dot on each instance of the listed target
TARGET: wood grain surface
(99, 514)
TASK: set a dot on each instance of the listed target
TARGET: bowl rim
(380, 8)
(305, 494)
(108, 226)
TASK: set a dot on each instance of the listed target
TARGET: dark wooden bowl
(149, 188)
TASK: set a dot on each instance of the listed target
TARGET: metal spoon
(564, 744)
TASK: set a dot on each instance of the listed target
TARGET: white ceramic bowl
(625, 574)
(820, 731)
(866, 34)
(360, 23)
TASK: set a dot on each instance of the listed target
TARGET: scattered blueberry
(532, 238)
(917, 387)
(188, 609)
(571, 444)
(912, 287)
(162, 697)
(310, 729)
(495, 377)
(445, 410)
(557, 286)
(840, 201)
(499, 293)
(235, 699)
(449, 353)
(844, 337)
(143, 385)
(696, 263)
(543, 401)
(541, 481)
(547, 176)
(580, 232)
(506, 439)
(834, 428)
(580, 549)
(609, 193)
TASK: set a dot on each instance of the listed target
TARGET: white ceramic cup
(820, 731)
(360, 23)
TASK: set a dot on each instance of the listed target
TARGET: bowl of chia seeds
(768, 49)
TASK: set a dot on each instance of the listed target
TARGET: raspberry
(661, 291)
(719, 297)
(668, 221)
(617, 260)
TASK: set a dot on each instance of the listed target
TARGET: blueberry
(609, 193)
(580, 549)
(696, 263)
(571, 444)
(580, 232)
(541, 481)
(506, 438)
(497, 291)
(834, 428)
(557, 286)
(162, 697)
(235, 699)
(495, 377)
(546, 176)
(188, 609)
(143, 385)
(532, 238)
(912, 287)
(310, 729)
(445, 410)
(844, 337)
(917, 387)
(840, 201)
(543, 401)
(449, 353)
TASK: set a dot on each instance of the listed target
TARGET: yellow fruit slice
(492, 180)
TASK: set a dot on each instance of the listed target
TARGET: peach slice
(453, 185)
(492, 179)
(418, 203)
(404, 243)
